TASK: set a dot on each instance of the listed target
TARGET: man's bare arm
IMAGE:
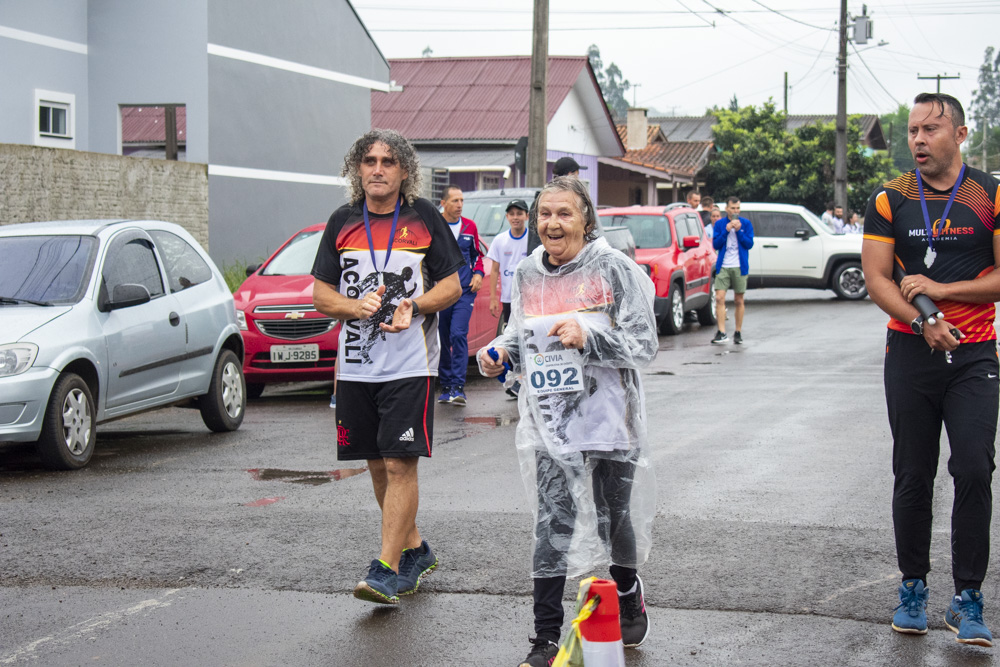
(984, 289)
(330, 302)
(446, 292)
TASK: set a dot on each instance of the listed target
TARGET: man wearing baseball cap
(566, 166)
(507, 251)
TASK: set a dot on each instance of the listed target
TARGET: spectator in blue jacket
(732, 238)
(453, 322)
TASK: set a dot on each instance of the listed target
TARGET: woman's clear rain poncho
(581, 439)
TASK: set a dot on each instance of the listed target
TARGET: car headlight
(241, 319)
(16, 358)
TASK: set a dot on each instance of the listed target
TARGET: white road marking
(74, 633)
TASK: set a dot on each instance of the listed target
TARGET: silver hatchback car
(100, 319)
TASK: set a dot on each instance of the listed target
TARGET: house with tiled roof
(654, 170)
(699, 128)
(465, 116)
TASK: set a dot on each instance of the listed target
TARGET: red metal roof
(469, 98)
(144, 125)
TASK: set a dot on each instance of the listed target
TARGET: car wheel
(674, 321)
(849, 281)
(223, 406)
(255, 389)
(69, 429)
(706, 314)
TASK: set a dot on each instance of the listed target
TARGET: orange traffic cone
(602, 631)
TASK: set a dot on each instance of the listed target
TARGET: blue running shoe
(414, 565)
(911, 614)
(379, 586)
(965, 617)
(446, 396)
(458, 395)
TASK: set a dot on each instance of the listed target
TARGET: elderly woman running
(581, 327)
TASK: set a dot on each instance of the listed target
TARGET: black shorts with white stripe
(377, 420)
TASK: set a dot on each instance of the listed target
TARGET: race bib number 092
(554, 373)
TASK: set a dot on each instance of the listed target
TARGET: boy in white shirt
(507, 251)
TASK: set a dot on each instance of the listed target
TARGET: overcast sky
(690, 55)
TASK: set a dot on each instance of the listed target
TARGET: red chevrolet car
(286, 338)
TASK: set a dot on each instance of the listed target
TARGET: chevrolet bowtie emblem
(294, 315)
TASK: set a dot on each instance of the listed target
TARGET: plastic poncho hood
(581, 439)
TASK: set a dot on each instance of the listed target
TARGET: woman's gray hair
(399, 148)
(586, 206)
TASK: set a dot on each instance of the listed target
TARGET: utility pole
(537, 112)
(840, 147)
(939, 77)
(786, 92)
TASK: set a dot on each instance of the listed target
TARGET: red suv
(286, 338)
(671, 244)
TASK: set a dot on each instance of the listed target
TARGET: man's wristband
(416, 308)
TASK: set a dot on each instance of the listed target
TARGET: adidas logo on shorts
(407, 436)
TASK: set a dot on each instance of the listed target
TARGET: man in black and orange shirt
(941, 223)
(387, 264)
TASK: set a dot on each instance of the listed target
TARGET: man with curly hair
(387, 264)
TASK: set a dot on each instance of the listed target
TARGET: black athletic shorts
(377, 420)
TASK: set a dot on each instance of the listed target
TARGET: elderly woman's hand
(570, 334)
(490, 368)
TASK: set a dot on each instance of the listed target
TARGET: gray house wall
(271, 119)
(25, 66)
(146, 53)
(294, 127)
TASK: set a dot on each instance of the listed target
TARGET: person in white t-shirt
(507, 251)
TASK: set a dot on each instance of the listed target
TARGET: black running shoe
(542, 653)
(632, 616)
(738, 338)
(720, 337)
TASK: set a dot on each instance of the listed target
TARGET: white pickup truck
(793, 248)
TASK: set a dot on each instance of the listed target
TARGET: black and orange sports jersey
(423, 252)
(963, 244)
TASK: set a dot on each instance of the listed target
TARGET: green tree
(894, 125)
(613, 84)
(757, 159)
(985, 111)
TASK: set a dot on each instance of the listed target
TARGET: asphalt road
(772, 544)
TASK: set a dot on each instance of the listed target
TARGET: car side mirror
(802, 234)
(690, 242)
(252, 269)
(127, 295)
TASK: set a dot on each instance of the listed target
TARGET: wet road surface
(772, 544)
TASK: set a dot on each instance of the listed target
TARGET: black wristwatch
(917, 325)
(416, 309)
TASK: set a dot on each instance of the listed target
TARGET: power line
(891, 96)
(551, 29)
(790, 18)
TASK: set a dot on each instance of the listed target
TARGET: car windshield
(490, 215)
(649, 231)
(296, 258)
(45, 269)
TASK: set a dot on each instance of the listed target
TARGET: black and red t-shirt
(963, 244)
(423, 252)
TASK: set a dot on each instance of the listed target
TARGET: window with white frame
(55, 120)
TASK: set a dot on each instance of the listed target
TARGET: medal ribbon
(947, 208)
(371, 243)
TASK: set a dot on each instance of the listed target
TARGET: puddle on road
(506, 420)
(662, 373)
(698, 363)
(312, 478)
